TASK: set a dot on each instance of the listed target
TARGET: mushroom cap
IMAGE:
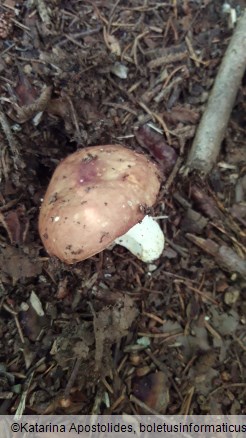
(95, 195)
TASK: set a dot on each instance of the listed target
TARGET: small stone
(119, 70)
(231, 296)
(144, 341)
(226, 377)
(27, 69)
(152, 267)
(135, 359)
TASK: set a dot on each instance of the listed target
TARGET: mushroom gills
(145, 240)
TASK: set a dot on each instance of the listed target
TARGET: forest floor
(112, 334)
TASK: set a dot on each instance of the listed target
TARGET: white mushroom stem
(145, 240)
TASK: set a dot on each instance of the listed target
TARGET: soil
(112, 334)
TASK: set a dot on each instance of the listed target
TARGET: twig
(204, 295)
(14, 313)
(22, 403)
(135, 45)
(225, 256)
(230, 385)
(26, 112)
(20, 25)
(160, 335)
(97, 401)
(117, 402)
(112, 16)
(44, 12)
(211, 330)
(213, 124)
(72, 378)
(142, 405)
(163, 60)
(173, 174)
(154, 317)
(73, 40)
(159, 119)
(185, 408)
(13, 143)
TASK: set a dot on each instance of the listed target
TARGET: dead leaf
(203, 373)
(74, 340)
(16, 265)
(205, 203)
(193, 222)
(191, 344)
(16, 224)
(238, 211)
(224, 323)
(156, 145)
(24, 90)
(204, 381)
(181, 114)
(112, 43)
(112, 323)
(153, 390)
(31, 322)
(205, 362)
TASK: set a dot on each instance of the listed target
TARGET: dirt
(112, 334)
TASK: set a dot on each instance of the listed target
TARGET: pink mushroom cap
(95, 195)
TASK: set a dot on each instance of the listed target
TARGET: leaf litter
(112, 335)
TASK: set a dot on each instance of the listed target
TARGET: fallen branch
(213, 124)
(223, 255)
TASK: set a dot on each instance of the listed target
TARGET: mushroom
(99, 195)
